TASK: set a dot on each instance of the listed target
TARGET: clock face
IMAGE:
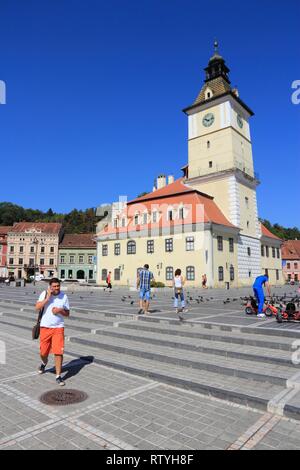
(239, 120)
(208, 119)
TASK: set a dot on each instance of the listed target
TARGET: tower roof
(216, 83)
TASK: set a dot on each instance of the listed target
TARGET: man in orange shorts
(56, 306)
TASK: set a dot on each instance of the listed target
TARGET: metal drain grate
(63, 397)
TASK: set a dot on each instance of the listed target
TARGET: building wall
(68, 270)
(291, 270)
(273, 265)
(205, 258)
(45, 241)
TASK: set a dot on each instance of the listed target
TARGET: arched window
(231, 273)
(104, 274)
(131, 248)
(221, 273)
(169, 273)
(190, 273)
(80, 274)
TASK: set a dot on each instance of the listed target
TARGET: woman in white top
(178, 283)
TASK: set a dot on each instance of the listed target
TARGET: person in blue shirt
(258, 290)
(144, 285)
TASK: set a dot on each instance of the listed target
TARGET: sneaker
(261, 315)
(141, 311)
(60, 381)
(42, 368)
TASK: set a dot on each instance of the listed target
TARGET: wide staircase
(250, 366)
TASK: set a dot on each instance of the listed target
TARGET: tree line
(84, 221)
(76, 221)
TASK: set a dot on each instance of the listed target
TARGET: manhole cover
(63, 397)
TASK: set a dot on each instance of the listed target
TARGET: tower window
(208, 95)
(247, 201)
(249, 251)
(210, 164)
(208, 144)
(247, 223)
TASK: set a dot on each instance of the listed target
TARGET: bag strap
(41, 312)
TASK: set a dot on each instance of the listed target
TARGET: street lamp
(35, 242)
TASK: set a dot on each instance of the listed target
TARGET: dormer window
(208, 94)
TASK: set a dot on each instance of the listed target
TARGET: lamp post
(35, 242)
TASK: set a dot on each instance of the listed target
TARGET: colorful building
(290, 252)
(3, 250)
(77, 257)
(33, 249)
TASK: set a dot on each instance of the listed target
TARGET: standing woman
(178, 283)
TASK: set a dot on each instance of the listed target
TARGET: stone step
(82, 313)
(239, 390)
(220, 348)
(259, 371)
(189, 330)
(20, 324)
(90, 323)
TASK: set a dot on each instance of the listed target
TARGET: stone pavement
(219, 380)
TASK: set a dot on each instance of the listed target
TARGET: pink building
(3, 250)
(291, 260)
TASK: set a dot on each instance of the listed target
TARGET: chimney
(170, 179)
(161, 181)
(235, 91)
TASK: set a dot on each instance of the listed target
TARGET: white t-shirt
(49, 320)
(178, 282)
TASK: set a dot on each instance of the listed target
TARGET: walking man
(258, 290)
(56, 306)
(144, 284)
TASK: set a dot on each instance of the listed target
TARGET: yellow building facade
(214, 205)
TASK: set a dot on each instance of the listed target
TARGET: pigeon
(81, 297)
(132, 302)
(129, 297)
(123, 300)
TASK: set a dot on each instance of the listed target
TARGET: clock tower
(220, 161)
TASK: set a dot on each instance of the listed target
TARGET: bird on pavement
(132, 302)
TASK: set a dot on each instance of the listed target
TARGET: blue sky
(90, 82)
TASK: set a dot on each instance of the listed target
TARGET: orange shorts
(52, 340)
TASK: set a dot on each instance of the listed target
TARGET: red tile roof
(44, 227)
(200, 208)
(266, 233)
(173, 189)
(291, 249)
(78, 240)
(4, 229)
